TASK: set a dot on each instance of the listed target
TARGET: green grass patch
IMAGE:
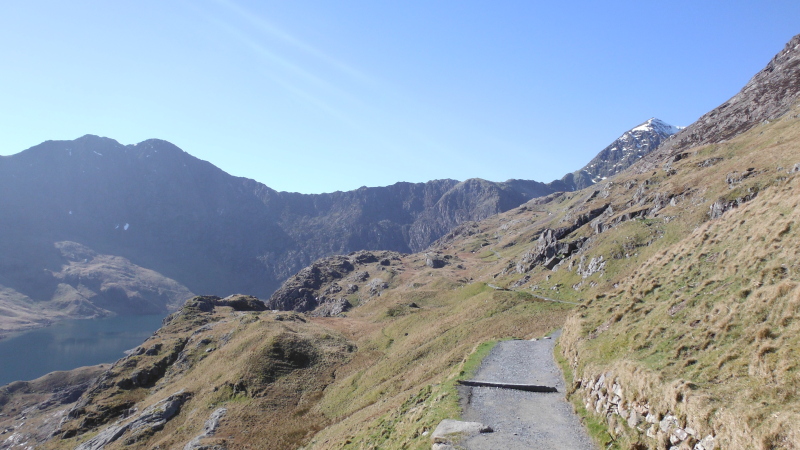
(489, 256)
(474, 360)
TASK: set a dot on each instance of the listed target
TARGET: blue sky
(314, 96)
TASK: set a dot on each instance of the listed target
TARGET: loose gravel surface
(520, 419)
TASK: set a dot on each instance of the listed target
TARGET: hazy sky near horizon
(318, 96)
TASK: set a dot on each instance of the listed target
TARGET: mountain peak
(622, 153)
(658, 126)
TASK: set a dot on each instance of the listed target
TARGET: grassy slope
(379, 378)
(703, 323)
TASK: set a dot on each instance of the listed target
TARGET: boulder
(332, 308)
(376, 286)
(363, 257)
(668, 423)
(360, 276)
(707, 443)
(442, 447)
(435, 262)
(634, 419)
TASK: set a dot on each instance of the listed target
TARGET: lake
(70, 344)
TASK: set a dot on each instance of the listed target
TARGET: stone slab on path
(450, 430)
(522, 419)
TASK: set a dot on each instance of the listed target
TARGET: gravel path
(523, 420)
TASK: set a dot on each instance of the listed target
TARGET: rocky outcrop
(721, 206)
(241, 302)
(332, 308)
(318, 288)
(144, 425)
(209, 429)
(595, 265)
(450, 432)
(550, 250)
(299, 293)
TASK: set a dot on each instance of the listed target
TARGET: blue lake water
(70, 344)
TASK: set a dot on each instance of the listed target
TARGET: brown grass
(707, 325)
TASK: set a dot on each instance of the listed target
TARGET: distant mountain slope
(162, 209)
(620, 154)
(87, 284)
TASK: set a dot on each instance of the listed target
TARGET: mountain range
(83, 220)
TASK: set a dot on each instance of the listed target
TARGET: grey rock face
(149, 421)
(209, 429)
(549, 250)
(719, 207)
(595, 265)
(302, 292)
(331, 308)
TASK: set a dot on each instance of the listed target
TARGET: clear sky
(318, 96)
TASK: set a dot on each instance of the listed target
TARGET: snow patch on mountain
(622, 153)
(658, 126)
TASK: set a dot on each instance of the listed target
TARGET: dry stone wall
(604, 396)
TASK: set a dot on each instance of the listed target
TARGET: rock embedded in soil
(449, 431)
